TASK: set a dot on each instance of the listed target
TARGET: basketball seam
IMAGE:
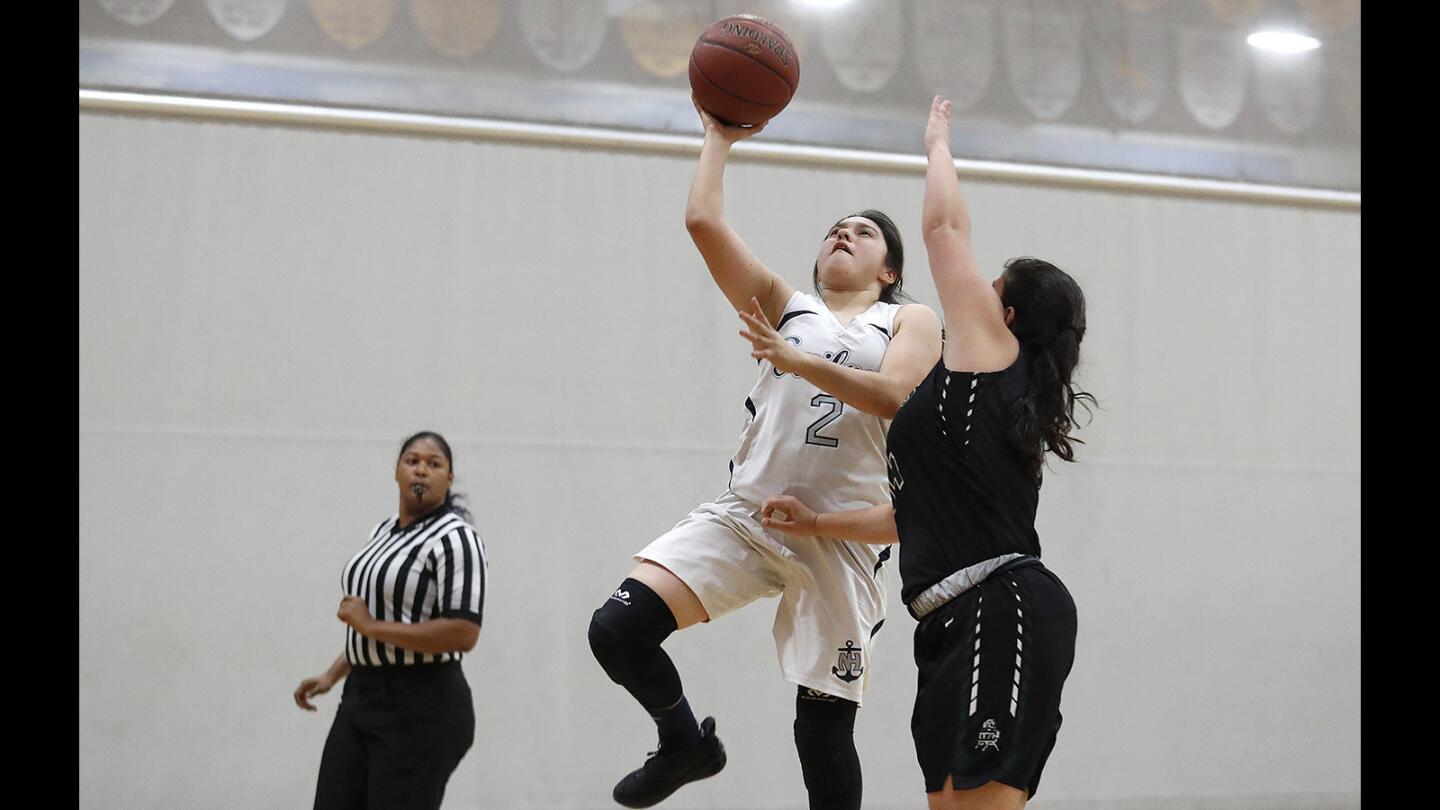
(766, 22)
(783, 37)
(752, 59)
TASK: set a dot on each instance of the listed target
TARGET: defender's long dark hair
(453, 500)
(1050, 324)
(894, 255)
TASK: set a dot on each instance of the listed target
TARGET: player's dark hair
(454, 501)
(1050, 323)
(894, 254)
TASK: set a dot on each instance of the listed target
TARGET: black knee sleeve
(825, 739)
(625, 636)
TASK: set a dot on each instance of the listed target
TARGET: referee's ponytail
(454, 501)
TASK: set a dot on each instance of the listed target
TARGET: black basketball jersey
(962, 493)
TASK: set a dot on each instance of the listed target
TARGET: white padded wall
(267, 311)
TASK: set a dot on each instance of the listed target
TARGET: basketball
(744, 70)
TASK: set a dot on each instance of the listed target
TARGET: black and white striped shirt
(435, 568)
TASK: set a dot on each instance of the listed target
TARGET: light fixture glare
(1282, 41)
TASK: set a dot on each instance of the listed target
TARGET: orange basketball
(744, 70)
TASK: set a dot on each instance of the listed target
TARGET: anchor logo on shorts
(848, 667)
(989, 737)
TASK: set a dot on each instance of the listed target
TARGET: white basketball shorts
(832, 592)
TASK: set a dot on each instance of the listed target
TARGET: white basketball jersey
(801, 441)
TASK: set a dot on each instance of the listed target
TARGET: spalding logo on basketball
(744, 70)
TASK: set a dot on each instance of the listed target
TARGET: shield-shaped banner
(353, 23)
(1214, 71)
(1042, 54)
(1236, 12)
(1344, 73)
(563, 34)
(246, 20)
(457, 28)
(864, 44)
(955, 48)
(136, 12)
(1130, 54)
(1289, 88)
(660, 36)
(1331, 16)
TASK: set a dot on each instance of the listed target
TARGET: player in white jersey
(834, 369)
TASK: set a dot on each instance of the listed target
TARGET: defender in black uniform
(996, 633)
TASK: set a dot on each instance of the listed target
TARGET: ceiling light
(1282, 41)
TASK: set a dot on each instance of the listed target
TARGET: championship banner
(136, 12)
(563, 34)
(660, 35)
(353, 23)
(1214, 70)
(1288, 85)
(1331, 16)
(457, 28)
(1130, 54)
(246, 20)
(1236, 12)
(1345, 85)
(863, 43)
(1042, 55)
(955, 48)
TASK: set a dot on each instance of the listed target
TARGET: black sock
(677, 725)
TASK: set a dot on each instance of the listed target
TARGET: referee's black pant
(398, 734)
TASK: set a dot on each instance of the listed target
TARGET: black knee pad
(825, 740)
(625, 636)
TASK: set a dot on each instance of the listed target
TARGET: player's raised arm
(978, 338)
(735, 269)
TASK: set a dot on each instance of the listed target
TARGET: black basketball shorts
(992, 663)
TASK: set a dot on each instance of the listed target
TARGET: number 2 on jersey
(812, 433)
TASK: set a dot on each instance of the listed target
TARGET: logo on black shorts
(989, 737)
(848, 667)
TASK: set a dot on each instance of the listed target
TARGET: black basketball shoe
(666, 769)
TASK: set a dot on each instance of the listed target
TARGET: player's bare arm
(974, 317)
(788, 514)
(736, 270)
(913, 351)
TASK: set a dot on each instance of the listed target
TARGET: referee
(414, 596)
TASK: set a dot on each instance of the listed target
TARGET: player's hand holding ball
(715, 128)
(743, 71)
(785, 513)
